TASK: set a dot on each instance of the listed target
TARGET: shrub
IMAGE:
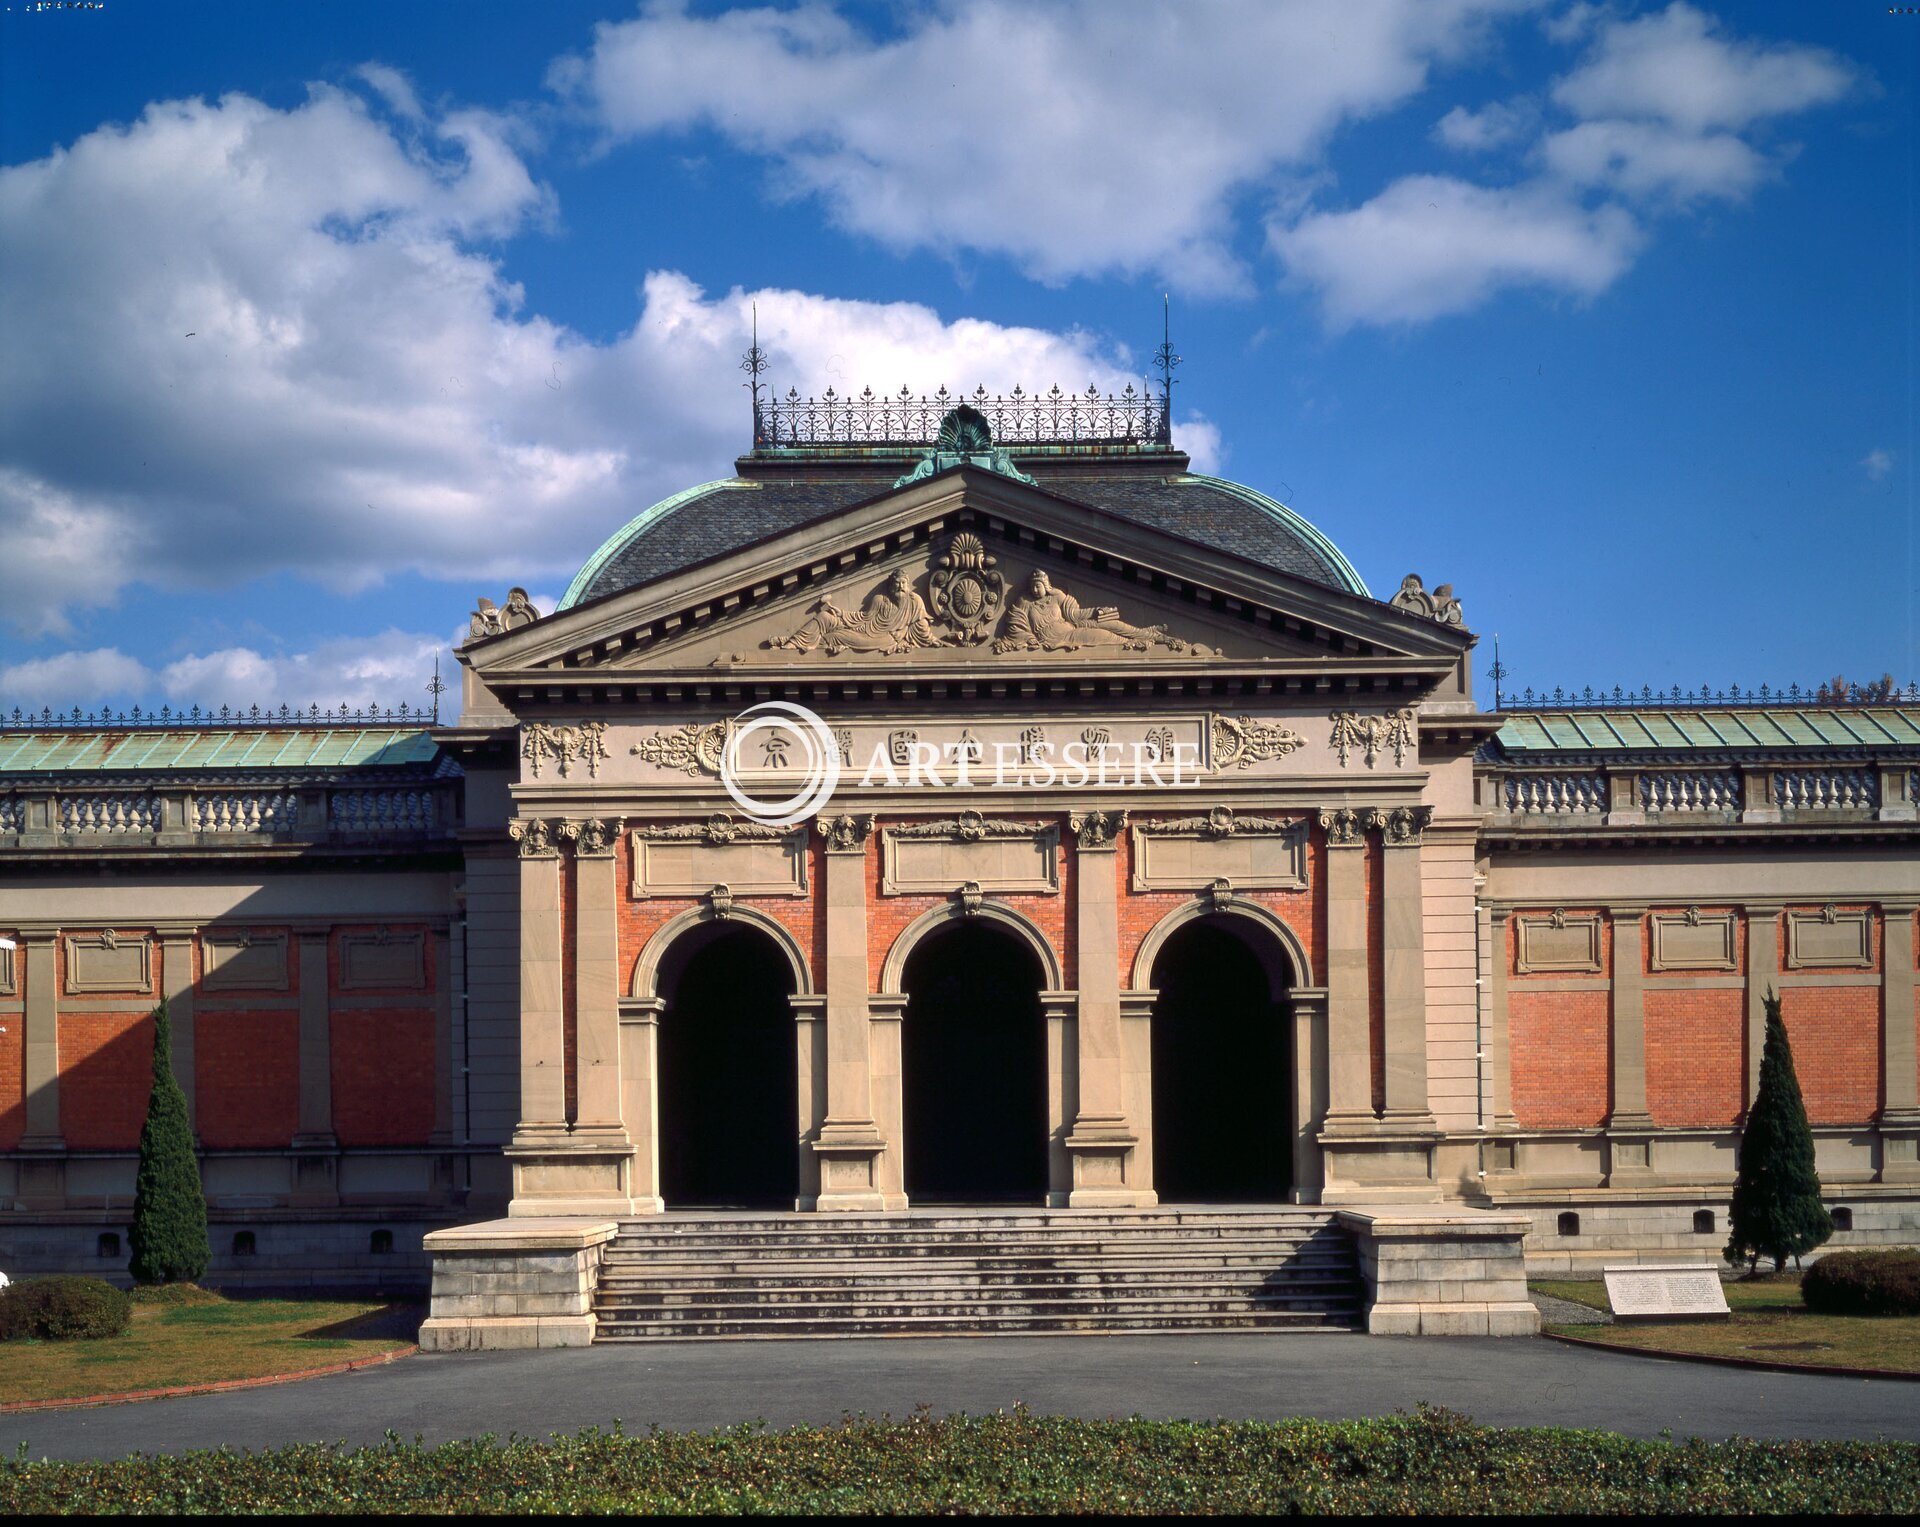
(169, 1208)
(1863, 1283)
(1776, 1209)
(63, 1309)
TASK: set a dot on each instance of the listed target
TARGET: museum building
(1166, 866)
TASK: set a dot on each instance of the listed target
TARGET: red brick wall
(1835, 1034)
(106, 1074)
(1559, 1043)
(247, 1077)
(1696, 1056)
(383, 1075)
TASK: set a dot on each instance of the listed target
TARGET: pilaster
(316, 1163)
(1499, 1022)
(1349, 1061)
(640, 1098)
(596, 982)
(1403, 966)
(40, 966)
(1899, 1106)
(176, 986)
(1763, 975)
(1101, 1145)
(1629, 1126)
(849, 1143)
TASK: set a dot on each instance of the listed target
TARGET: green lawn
(205, 1338)
(1768, 1324)
(1432, 1462)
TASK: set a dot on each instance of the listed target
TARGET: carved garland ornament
(1242, 742)
(566, 745)
(970, 827)
(718, 828)
(1219, 823)
(690, 749)
(1372, 735)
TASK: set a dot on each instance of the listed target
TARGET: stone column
(37, 955)
(640, 1098)
(1900, 1106)
(1309, 1091)
(1101, 1145)
(1499, 1027)
(596, 982)
(1763, 976)
(176, 984)
(316, 1044)
(849, 1143)
(543, 1050)
(1404, 966)
(1349, 1045)
(1628, 1123)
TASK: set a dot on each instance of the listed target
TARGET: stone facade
(1469, 960)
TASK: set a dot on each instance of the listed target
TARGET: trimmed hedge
(63, 1309)
(1863, 1283)
(1432, 1462)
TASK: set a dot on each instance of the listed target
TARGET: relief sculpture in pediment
(1047, 619)
(893, 619)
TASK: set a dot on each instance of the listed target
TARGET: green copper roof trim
(1342, 569)
(188, 750)
(1657, 729)
(645, 519)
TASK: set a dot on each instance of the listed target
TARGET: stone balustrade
(42, 817)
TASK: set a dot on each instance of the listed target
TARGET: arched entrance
(974, 1058)
(727, 1089)
(1222, 1066)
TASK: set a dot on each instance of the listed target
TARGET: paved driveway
(1511, 1383)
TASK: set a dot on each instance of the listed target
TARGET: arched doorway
(727, 1089)
(974, 1058)
(1222, 1067)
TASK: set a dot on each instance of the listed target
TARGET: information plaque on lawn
(1678, 1291)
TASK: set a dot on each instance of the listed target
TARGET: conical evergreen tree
(169, 1238)
(1776, 1198)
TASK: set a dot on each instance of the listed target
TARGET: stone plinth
(1443, 1272)
(514, 1283)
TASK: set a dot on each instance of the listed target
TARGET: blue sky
(320, 320)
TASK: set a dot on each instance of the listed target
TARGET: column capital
(592, 837)
(535, 835)
(846, 833)
(1401, 826)
(1345, 827)
(1097, 831)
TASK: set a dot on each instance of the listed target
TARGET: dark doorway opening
(974, 1053)
(1222, 1072)
(728, 1094)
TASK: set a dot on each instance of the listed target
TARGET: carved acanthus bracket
(535, 837)
(1097, 831)
(1557, 918)
(1401, 826)
(1241, 742)
(1372, 735)
(1829, 913)
(1220, 894)
(1692, 915)
(490, 619)
(720, 899)
(1218, 823)
(970, 827)
(690, 749)
(593, 838)
(718, 828)
(565, 745)
(1343, 826)
(1440, 605)
(969, 896)
(846, 833)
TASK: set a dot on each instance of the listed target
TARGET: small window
(1569, 1223)
(243, 1243)
(1842, 1218)
(108, 1245)
(1703, 1222)
(380, 1243)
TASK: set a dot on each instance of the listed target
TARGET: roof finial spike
(436, 688)
(753, 363)
(1164, 361)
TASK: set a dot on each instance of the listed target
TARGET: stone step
(668, 1258)
(877, 1304)
(868, 1275)
(833, 1224)
(814, 1328)
(1102, 1243)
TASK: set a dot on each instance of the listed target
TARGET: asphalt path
(1514, 1382)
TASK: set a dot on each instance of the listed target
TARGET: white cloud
(1492, 126)
(1429, 245)
(241, 340)
(1078, 138)
(1877, 464)
(1200, 438)
(1649, 159)
(67, 679)
(1678, 67)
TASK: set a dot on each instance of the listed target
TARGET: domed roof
(700, 523)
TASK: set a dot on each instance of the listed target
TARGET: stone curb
(131, 1396)
(1717, 1360)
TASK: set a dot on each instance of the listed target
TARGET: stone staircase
(976, 1272)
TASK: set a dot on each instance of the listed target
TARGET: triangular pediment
(966, 569)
